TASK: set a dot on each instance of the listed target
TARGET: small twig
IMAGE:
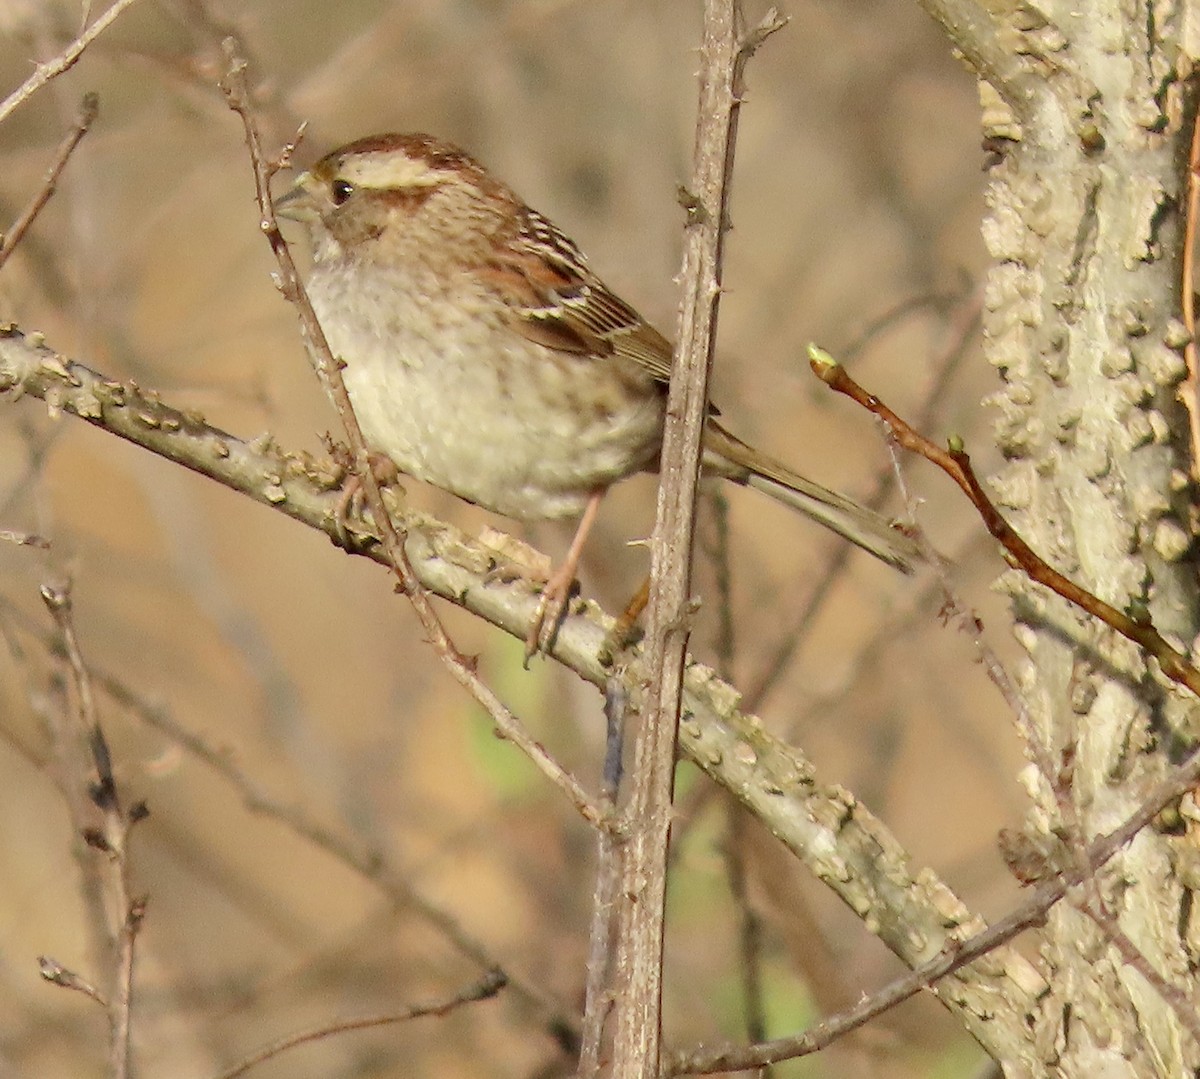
(487, 987)
(89, 108)
(957, 465)
(64, 61)
(460, 666)
(954, 607)
(112, 840)
(56, 974)
(945, 364)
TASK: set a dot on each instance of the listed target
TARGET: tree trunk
(1086, 228)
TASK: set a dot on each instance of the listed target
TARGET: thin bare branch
(484, 989)
(89, 108)
(957, 465)
(56, 974)
(112, 841)
(64, 61)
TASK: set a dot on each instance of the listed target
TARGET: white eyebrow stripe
(388, 170)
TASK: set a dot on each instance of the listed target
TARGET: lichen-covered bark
(1085, 229)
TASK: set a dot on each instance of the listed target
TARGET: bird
(482, 354)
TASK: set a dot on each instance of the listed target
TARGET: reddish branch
(957, 465)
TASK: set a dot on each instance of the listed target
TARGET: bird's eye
(342, 190)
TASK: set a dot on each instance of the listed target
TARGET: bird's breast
(443, 384)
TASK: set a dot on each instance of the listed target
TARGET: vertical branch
(598, 999)
(749, 942)
(111, 838)
(640, 922)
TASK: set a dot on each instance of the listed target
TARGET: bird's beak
(296, 204)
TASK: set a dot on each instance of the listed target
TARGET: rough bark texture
(1085, 229)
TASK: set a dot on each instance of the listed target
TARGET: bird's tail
(732, 458)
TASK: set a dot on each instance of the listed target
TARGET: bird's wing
(559, 302)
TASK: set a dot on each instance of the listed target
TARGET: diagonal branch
(954, 461)
(89, 107)
(953, 957)
(64, 61)
(484, 989)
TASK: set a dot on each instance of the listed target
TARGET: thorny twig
(641, 914)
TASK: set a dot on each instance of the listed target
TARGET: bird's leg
(558, 588)
(350, 501)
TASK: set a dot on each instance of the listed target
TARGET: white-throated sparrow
(484, 356)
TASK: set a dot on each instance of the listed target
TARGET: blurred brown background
(858, 190)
